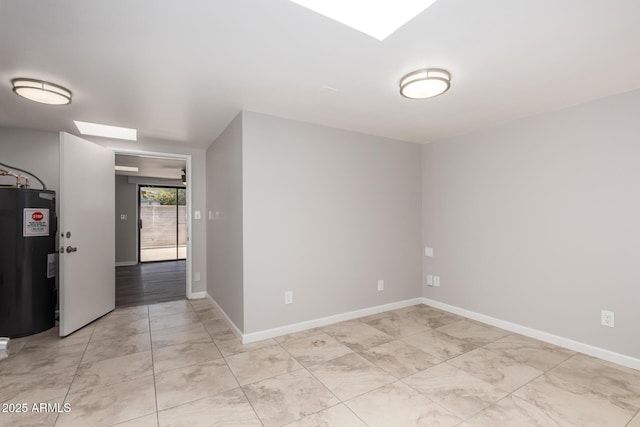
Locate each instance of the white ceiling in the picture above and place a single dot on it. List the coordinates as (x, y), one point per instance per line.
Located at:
(181, 70)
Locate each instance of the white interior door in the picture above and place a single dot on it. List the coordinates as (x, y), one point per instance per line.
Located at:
(86, 232)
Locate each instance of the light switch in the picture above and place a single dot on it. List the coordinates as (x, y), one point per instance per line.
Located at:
(123, 217)
(428, 251)
(196, 215)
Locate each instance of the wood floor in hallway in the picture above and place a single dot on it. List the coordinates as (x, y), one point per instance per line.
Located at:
(150, 283)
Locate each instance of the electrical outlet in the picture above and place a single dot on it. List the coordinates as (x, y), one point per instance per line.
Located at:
(288, 297)
(429, 279)
(196, 276)
(607, 318)
(381, 285)
(428, 251)
(436, 280)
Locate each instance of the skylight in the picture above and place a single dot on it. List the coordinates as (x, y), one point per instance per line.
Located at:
(377, 18)
(106, 131)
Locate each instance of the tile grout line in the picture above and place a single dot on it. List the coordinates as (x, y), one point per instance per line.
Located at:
(241, 388)
(75, 374)
(446, 361)
(393, 338)
(511, 393)
(340, 402)
(354, 413)
(233, 374)
(137, 378)
(308, 371)
(468, 373)
(153, 370)
(541, 375)
(489, 406)
(548, 371)
(136, 352)
(352, 352)
(440, 405)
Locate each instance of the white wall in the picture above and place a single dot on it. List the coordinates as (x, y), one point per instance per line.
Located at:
(327, 213)
(32, 150)
(127, 229)
(538, 222)
(224, 231)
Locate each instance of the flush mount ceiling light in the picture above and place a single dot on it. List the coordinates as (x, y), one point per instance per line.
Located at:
(425, 83)
(106, 131)
(41, 91)
(376, 18)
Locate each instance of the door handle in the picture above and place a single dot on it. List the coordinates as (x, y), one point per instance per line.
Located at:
(71, 249)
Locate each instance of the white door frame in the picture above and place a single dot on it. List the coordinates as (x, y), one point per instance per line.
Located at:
(187, 158)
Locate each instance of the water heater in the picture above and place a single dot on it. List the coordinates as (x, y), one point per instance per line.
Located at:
(28, 261)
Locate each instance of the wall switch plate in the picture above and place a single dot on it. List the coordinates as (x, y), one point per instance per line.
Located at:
(381, 285)
(436, 280)
(429, 279)
(288, 297)
(428, 251)
(196, 215)
(196, 276)
(607, 318)
(123, 217)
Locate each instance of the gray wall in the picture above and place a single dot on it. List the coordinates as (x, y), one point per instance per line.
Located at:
(126, 230)
(32, 150)
(326, 214)
(537, 222)
(224, 238)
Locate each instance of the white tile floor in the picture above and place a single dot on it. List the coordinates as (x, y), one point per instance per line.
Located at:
(178, 364)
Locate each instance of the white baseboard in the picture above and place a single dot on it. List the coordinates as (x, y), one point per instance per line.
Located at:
(324, 321)
(126, 263)
(227, 319)
(198, 295)
(611, 356)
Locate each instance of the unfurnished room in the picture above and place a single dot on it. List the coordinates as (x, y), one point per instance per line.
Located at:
(319, 213)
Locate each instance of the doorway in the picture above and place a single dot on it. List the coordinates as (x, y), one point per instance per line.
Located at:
(153, 262)
(162, 221)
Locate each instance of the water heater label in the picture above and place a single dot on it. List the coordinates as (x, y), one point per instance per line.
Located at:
(36, 222)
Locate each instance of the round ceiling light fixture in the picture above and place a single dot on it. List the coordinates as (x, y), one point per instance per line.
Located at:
(425, 83)
(41, 91)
